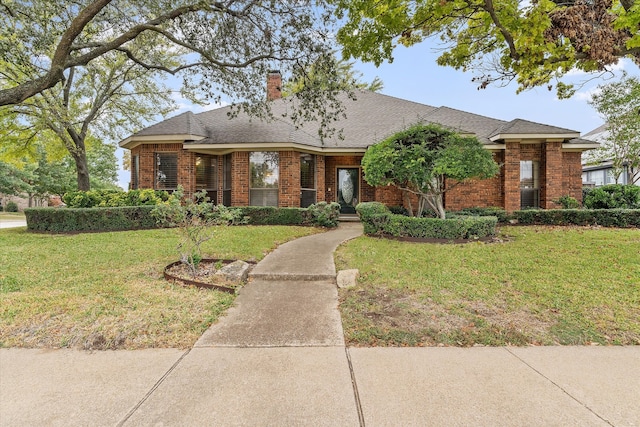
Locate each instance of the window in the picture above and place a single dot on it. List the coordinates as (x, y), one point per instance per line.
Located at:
(135, 172)
(264, 175)
(207, 176)
(166, 171)
(226, 180)
(529, 184)
(307, 180)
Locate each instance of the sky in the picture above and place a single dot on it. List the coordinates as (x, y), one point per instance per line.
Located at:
(415, 76)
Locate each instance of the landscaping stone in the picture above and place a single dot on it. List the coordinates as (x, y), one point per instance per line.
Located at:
(237, 271)
(347, 278)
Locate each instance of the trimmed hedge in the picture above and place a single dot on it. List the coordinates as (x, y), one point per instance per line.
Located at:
(623, 218)
(114, 198)
(321, 214)
(430, 228)
(64, 220)
(612, 196)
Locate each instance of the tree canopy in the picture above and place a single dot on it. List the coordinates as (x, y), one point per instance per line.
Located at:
(618, 103)
(226, 48)
(534, 43)
(427, 160)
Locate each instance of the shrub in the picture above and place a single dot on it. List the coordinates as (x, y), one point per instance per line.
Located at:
(270, 215)
(399, 210)
(114, 198)
(11, 206)
(464, 227)
(324, 214)
(604, 217)
(1, 208)
(366, 209)
(568, 202)
(501, 214)
(614, 196)
(91, 219)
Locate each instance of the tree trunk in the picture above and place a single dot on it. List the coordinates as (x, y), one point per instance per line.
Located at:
(82, 169)
(407, 202)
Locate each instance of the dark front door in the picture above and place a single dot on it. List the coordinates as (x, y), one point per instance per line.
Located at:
(348, 189)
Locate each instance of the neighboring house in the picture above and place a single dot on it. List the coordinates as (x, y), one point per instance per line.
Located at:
(244, 161)
(596, 174)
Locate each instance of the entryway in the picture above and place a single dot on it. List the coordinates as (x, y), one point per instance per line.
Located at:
(348, 185)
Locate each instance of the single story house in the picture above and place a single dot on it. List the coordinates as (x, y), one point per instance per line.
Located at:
(599, 173)
(245, 161)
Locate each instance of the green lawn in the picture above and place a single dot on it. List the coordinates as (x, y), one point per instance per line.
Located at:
(545, 285)
(12, 216)
(106, 290)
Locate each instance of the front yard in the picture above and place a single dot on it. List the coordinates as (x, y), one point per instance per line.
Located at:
(542, 286)
(105, 290)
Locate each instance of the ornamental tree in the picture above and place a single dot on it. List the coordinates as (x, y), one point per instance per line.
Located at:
(427, 160)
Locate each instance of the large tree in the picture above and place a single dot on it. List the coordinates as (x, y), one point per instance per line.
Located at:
(110, 97)
(533, 42)
(427, 160)
(618, 103)
(226, 47)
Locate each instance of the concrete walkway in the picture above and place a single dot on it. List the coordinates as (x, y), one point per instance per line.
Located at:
(10, 223)
(278, 358)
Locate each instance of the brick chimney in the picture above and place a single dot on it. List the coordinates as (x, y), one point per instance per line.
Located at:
(274, 85)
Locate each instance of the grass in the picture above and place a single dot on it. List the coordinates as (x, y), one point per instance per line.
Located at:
(544, 286)
(12, 216)
(105, 290)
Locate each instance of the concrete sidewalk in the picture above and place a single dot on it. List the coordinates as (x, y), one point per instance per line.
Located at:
(5, 223)
(278, 358)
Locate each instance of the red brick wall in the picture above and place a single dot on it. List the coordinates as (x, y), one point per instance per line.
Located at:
(186, 165)
(274, 85)
(477, 193)
(321, 184)
(240, 178)
(511, 177)
(551, 173)
(572, 175)
(289, 179)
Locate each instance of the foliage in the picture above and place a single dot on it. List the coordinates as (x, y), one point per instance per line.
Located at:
(13, 181)
(324, 214)
(194, 218)
(11, 206)
(622, 218)
(65, 220)
(568, 202)
(501, 214)
(113, 198)
(500, 40)
(618, 104)
(427, 160)
(105, 100)
(366, 210)
(466, 227)
(220, 50)
(329, 74)
(613, 196)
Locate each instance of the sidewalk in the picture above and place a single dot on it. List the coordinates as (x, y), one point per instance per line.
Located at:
(278, 358)
(5, 223)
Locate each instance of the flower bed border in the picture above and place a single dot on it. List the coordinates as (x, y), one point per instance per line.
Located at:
(171, 277)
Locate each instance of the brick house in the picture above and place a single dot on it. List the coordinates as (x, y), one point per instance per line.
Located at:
(244, 161)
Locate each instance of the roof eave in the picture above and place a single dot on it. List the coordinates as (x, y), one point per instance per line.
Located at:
(135, 140)
(537, 136)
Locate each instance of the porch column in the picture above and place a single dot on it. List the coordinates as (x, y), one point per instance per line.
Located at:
(240, 178)
(511, 176)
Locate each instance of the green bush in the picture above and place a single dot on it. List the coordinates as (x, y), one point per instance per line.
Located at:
(568, 202)
(399, 210)
(366, 209)
(1, 208)
(463, 227)
(622, 218)
(11, 206)
(501, 214)
(114, 198)
(270, 215)
(66, 220)
(614, 196)
(323, 214)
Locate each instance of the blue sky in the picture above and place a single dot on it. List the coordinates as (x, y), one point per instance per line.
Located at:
(414, 75)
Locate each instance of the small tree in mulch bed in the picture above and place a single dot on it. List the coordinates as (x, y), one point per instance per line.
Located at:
(194, 219)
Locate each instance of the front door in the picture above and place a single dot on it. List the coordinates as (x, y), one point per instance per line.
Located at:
(348, 189)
